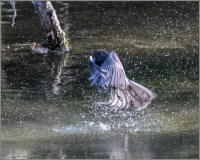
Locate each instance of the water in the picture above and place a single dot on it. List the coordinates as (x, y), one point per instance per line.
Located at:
(48, 108)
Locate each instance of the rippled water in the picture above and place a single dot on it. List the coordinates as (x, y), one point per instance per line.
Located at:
(48, 108)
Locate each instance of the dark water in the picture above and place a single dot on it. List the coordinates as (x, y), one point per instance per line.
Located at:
(48, 108)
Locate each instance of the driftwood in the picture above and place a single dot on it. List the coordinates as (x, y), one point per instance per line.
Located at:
(56, 38)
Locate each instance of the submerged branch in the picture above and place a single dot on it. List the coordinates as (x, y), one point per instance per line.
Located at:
(56, 37)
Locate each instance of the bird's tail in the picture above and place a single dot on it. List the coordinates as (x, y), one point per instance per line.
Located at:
(135, 93)
(140, 95)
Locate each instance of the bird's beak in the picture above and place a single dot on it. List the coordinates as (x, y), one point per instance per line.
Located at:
(91, 59)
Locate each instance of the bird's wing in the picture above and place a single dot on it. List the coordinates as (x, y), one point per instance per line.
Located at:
(114, 75)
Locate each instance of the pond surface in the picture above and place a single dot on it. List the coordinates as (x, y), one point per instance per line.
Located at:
(50, 111)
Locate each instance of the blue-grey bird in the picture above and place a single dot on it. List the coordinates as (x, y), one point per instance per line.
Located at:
(107, 72)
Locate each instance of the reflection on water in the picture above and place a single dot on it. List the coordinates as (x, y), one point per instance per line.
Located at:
(49, 110)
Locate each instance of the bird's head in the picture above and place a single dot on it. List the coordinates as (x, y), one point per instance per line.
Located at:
(99, 56)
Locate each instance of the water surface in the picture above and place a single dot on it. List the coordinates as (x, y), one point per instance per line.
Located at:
(50, 111)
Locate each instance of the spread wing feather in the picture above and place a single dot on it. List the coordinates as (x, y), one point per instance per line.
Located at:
(114, 75)
(123, 91)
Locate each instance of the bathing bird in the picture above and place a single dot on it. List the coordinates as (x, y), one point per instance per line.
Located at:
(107, 73)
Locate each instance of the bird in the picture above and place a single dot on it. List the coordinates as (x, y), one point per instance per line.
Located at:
(107, 73)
